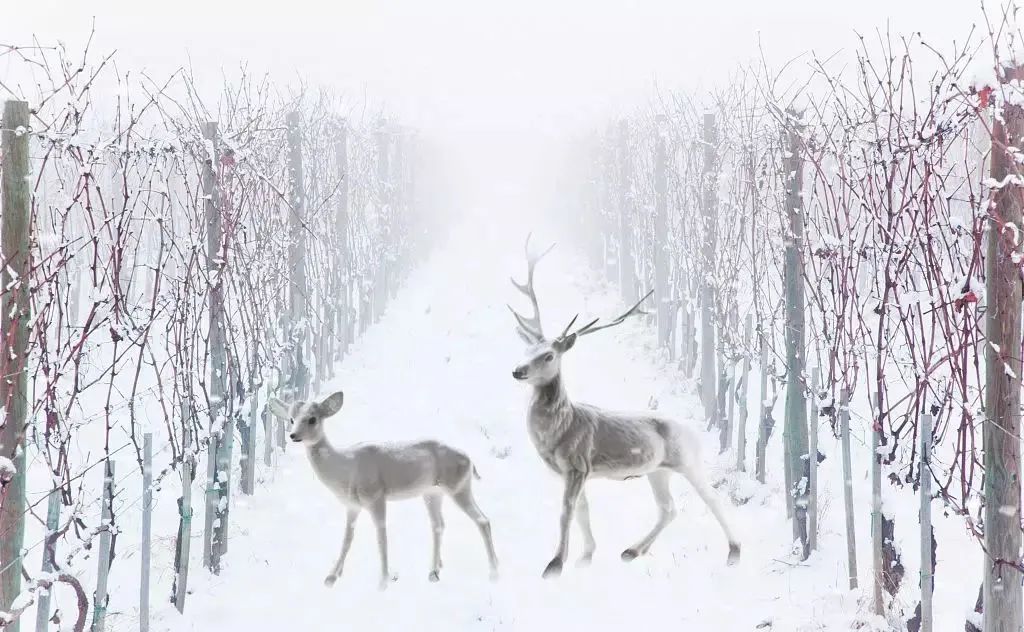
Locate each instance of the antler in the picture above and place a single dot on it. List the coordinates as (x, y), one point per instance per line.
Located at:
(530, 329)
(589, 328)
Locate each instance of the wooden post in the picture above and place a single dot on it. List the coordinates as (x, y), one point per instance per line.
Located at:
(248, 464)
(380, 282)
(851, 534)
(796, 408)
(766, 423)
(15, 270)
(877, 568)
(219, 450)
(724, 385)
(344, 273)
(926, 523)
(99, 613)
(268, 433)
(627, 267)
(741, 393)
(184, 544)
(52, 524)
(147, 530)
(812, 462)
(297, 308)
(709, 219)
(1001, 435)
(661, 290)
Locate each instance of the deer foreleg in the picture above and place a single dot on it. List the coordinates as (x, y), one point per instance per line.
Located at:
(573, 487)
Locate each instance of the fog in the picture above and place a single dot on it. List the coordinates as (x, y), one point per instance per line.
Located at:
(494, 88)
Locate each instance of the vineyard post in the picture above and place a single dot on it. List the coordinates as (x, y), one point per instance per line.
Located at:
(147, 530)
(1001, 434)
(741, 394)
(99, 612)
(297, 377)
(661, 291)
(52, 524)
(15, 258)
(927, 578)
(627, 270)
(851, 534)
(343, 293)
(707, 299)
(796, 406)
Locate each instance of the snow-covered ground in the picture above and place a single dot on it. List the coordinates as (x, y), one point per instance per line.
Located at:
(438, 365)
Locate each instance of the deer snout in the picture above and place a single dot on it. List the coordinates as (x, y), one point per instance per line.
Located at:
(294, 437)
(519, 373)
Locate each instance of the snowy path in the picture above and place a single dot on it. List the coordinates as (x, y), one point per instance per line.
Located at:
(438, 365)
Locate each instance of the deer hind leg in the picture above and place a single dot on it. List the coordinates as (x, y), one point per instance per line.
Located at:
(433, 503)
(659, 481)
(346, 544)
(465, 501)
(583, 518)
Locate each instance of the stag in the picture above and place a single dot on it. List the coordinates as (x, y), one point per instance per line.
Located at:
(579, 441)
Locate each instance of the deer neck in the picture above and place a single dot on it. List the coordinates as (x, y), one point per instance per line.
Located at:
(550, 400)
(331, 465)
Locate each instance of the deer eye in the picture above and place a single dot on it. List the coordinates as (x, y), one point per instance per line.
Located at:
(311, 421)
(549, 357)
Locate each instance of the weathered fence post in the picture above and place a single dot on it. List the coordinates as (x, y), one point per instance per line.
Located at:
(741, 394)
(15, 270)
(248, 464)
(52, 524)
(1001, 435)
(147, 530)
(661, 292)
(709, 218)
(844, 439)
(298, 378)
(812, 463)
(184, 544)
(344, 275)
(380, 281)
(765, 422)
(627, 270)
(926, 523)
(796, 406)
(877, 568)
(221, 431)
(99, 613)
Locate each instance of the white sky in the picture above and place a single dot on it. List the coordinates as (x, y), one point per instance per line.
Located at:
(479, 63)
(496, 80)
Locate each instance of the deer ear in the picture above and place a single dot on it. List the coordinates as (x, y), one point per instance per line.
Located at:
(279, 408)
(332, 404)
(566, 343)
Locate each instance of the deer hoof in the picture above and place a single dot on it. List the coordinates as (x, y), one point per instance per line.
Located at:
(329, 580)
(553, 569)
(629, 555)
(434, 576)
(734, 555)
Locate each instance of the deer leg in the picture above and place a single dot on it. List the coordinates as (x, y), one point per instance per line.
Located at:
(583, 518)
(573, 486)
(659, 481)
(465, 501)
(437, 527)
(379, 513)
(350, 530)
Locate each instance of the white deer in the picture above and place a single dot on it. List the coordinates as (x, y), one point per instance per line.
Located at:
(579, 441)
(367, 476)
